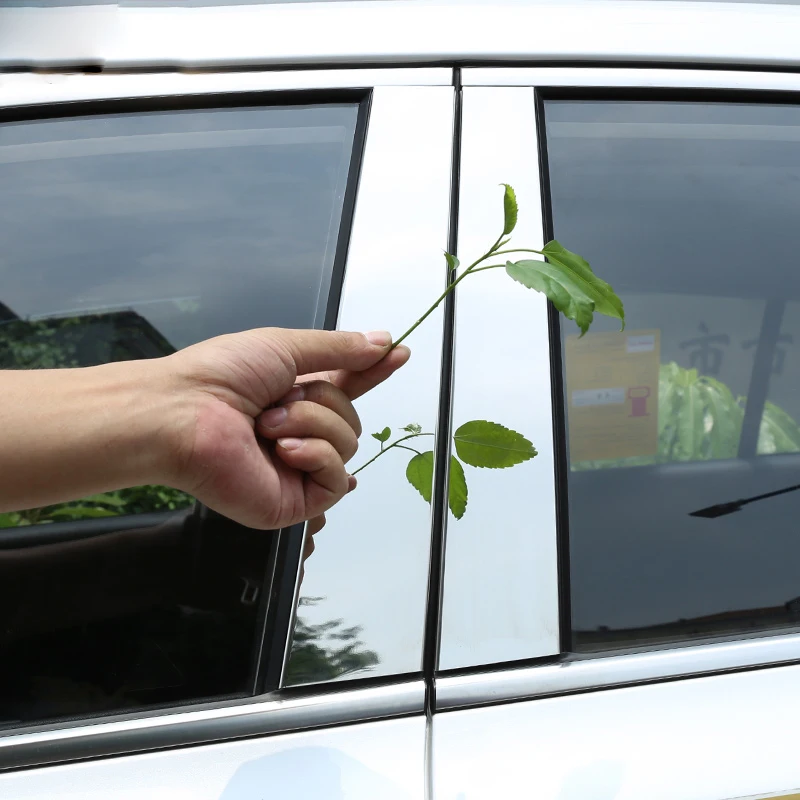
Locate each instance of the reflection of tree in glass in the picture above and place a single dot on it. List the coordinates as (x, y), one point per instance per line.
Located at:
(700, 419)
(80, 341)
(325, 651)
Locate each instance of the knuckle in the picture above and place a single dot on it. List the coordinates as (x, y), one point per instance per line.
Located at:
(351, 446)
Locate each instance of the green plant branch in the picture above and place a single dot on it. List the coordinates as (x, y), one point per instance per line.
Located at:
(491, 266)
(469, 270)
(410, 449)
(567, 280)
(517, 250)
(389, 447)
(432, 308)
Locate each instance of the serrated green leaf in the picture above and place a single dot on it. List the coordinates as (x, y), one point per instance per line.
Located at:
(452, 262)
(569, 283)
(383, 435)
(412, 427)
(487, 444)
(419, 473)
(457, 492)
(605, 299)
(509, 210)
(576, 294)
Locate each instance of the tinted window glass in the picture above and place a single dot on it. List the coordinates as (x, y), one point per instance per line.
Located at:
(130, 236)
(690, 211)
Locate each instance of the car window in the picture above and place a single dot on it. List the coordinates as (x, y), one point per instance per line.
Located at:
(132, 235)
(689, 211)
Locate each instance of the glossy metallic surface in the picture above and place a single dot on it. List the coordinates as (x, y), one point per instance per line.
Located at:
(381, 759)
(220, 722)
(23, 88)
(646, 78)
(581, 675)
(501, 582)
(722, 737)
(405, 31)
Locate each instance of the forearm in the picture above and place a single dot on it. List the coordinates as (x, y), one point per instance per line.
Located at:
(68, 433)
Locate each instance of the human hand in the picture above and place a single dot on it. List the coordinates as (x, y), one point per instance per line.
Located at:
(221, 456)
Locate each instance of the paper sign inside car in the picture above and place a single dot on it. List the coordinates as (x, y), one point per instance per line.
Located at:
(612, 394)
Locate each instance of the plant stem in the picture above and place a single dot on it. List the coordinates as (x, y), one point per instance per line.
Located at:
(518, 250)
(410, 449)
(451, 286)
(433, 307)
(387, 449)
(492, 266)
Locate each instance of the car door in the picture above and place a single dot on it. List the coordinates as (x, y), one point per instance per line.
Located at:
(619, 613)
(150, 647)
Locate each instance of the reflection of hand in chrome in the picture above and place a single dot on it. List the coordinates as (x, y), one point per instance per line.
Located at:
(314, 526)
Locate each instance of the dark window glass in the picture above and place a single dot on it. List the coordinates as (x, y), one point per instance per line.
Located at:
(690, 211)
(129, 236)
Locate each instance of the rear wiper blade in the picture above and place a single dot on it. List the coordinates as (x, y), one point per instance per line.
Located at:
(721, 509)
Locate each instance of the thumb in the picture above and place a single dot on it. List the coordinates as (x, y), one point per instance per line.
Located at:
(315, 351)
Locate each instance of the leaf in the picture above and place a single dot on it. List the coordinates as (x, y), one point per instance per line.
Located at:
(412, 427)
(79, 512)
(509, 210)
(487, 444)
(105, 499)
(420, 474)
(452, 262)
(778, 433)
(605, 300)
(725, 416)
(383, 435)
(457, 491)
(573, 294)
(569, 283)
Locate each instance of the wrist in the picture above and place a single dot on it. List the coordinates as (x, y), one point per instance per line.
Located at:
(69, 433)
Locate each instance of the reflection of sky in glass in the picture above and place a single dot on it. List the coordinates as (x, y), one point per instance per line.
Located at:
(204, 222)
(690, 212)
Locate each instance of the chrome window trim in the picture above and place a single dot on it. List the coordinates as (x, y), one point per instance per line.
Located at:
(418, 31)
(588, 673)
(23, 89)
(209, 724)
(499, 329)
(619, 78)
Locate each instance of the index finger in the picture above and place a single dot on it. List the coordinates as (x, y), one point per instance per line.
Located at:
(354, 384)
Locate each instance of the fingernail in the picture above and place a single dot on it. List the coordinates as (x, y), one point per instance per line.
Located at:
(273, 417)
(290, 444)
(382, 338)
(294, 394)
(352, 482)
